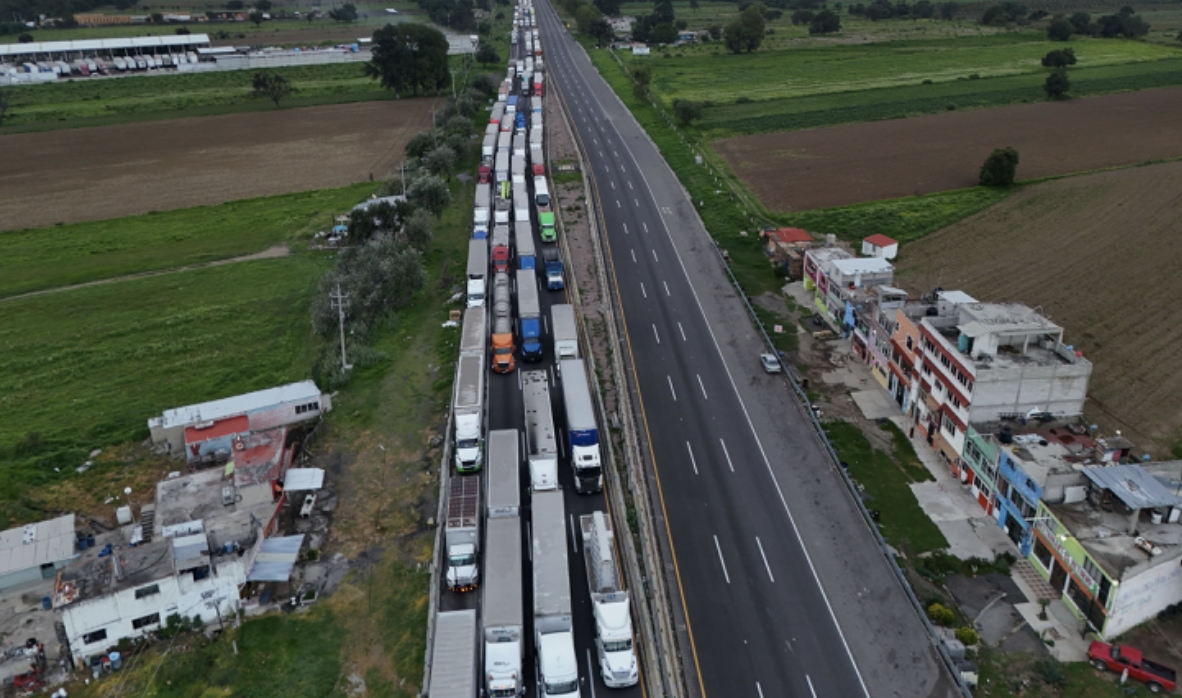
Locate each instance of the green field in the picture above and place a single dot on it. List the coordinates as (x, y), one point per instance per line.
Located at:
(43, 258)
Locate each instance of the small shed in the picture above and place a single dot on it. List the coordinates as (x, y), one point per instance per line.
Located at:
(782, 241)
(880, 246)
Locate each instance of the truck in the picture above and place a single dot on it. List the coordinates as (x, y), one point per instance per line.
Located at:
(535, 121)
(504, 491)
(525, 84)
(502, 331)
(538, 82)
(581, 429)
(462, 532)
(453, 658)
(502, 607)
(523, 238)
(609, 603)
(541, 447)
(477, 272)
(520, 203)
(500, 249)
(519, 124)
(541, 192)
(517, 167)
(557, 664)
(507, 123)
(501, 210)
(519, 144)
(1158, 678)
(504, 142)
(502, 168)
(503, 92)
(552, 260)
(546, 222)
(511, 105)
(473, 331)
(468, 410)
(494, 117)
(535, 144)
(480, 212)
(529, 315)
(484, 172)
(566, 334)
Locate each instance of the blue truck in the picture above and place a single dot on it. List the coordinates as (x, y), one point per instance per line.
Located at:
(529, 313)
(553, 261)
(580, 427)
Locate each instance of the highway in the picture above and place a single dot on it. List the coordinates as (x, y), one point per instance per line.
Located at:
(782, 588)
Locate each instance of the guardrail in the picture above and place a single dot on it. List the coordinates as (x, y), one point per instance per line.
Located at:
(437, 555)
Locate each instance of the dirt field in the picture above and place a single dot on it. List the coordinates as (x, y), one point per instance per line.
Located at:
(1099, 254)
(87, 174)
(803, 170)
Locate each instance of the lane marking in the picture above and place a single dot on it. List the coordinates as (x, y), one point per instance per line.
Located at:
(759, 689)
(530, 537)
(765, 565)
(727, 454)
(678, 327)
(655, 257)
(703, 387)
(691, 452)
(667, 288)
(636, 202)
(658, 336)
(630, 185)
(642, 289)
(645, 226)
(612, 183)
(618, 204)
(591, 674)
(634, 256)
(811, 689)
(670, 379)
(518, 379)
(719, 549)
(625, 228)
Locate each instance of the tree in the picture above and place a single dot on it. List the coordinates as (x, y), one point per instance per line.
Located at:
(1000, 15)
(235, 5)
(484, 83)
(947, 10)
(345, 13)
(923, 9)
(182, 31)
(157, 18)
(745, 34)
(262, 5)
(1059, 58)
(4, 102)
(380, 276)
(585, 16)
(1179, 37)
(608, 7)
(681, 24)
(486, 54)
(25, 38)
(826, 22)
(687, 111)
(273, 87)
(663, 12)
(417, 229)
(440, 160)
(642, 75)
(801, 17)
(1037, 15)
(1057, 85)
(1000, 168)
(1059, 29)
(693, 5)
(409, 57)
(256, 17)
(1081, 22)
(663, 33)
(419, 144)
(716, 32)
(430, 193)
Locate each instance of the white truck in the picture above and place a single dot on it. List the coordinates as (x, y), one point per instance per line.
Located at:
(554, 640)
(477, 272)
(468, 409)
(480, 212)
(462, 532)
(609, 603)
(488, 146)
(453, 658)
(502, 614)
(535, 144)
(541, 192)
(520, 204)
(504, 460)
(541, 446)
(566, 334)
(504, 142)
(474, 332)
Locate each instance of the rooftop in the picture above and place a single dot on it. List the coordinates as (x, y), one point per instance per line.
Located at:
(238, 404)
(19, 50)
(861, 265)
(789, 235)
(37, 544)
(978, 319)
(881, 241)
(225, 511)
(823, 255)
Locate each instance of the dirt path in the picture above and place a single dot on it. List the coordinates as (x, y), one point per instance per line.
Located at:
(269, 253)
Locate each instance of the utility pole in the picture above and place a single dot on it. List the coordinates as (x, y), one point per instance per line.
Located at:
(339, 301)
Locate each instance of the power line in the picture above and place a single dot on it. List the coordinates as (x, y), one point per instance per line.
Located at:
(340, 301)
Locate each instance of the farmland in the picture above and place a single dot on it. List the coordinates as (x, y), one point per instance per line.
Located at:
(1049, 246)
(129, 169)
(802, 170)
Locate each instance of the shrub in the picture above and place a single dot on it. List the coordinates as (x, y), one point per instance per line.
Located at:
(941, 615)
(1000, 168)
(1051, 671)
(967, 635)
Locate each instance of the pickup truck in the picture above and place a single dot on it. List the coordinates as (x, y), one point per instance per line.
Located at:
(1119, 658)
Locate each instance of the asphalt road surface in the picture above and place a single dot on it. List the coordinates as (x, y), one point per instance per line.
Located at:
(783, 590)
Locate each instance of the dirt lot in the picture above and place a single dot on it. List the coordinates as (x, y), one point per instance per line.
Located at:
(87, 174)
(1099, 254)
(803, 170)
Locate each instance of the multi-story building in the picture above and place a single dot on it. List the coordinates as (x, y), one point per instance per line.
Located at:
(992, 361)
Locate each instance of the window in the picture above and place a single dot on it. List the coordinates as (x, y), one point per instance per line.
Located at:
(910, 344)
(1043, 554)
(310, 407)
(1092, 569)
(949, 426)
(153, 619)
(1078, 596)
(144, 592)
(956, 401)
(98, 636)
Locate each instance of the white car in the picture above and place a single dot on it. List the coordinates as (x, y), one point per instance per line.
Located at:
(770, 363)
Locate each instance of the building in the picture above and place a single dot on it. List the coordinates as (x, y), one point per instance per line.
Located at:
(786, 247)
(880, 246)
(621, 25)
(36, 551)
(1110, 542)
(904, 336)
(216, 429)
(987, 362)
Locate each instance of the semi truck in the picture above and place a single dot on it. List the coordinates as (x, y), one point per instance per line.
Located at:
(609, 603)
(504, 459)
(500, 249)
(546, 223)
(520, 203)
(477, 272)
(498, 111)
(557, 665)
(480, 211)
(503, 612)
(581, 430)
(488, 146)
(523, 238)
(540, 445)
(473, 332)
(502, 331)
(537, 82)
(453, 658)
(566, 335)
(501, 211)
(462, 532)
(535, 144)
(504, 142)
(511, 104)
(468, 408)
(529, 316)
(552, 259)
(501, 171)
(541, 192)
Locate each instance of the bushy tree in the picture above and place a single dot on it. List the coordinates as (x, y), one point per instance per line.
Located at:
(344, 13)
(642, 75)
(1000, 15)
(1081, 22)
(1000, 168)
(484, 83)
(379, 276)
(262, 5)
(1059, 58)
(923, 9)
(417, 229)
(715, 32)
(235, 5)
(430, 193)
(273, 87)
(419, 144)
(256, 17)
(4, 102)
(826, 22)
(486, 54)
(1057, 85)
(602, 32)
(1059, 29)
(745, 34)
(585, 16)
(663, 33)
(801, 17)
(687, 111)
(409, 57)
(947, 10)
(608, 7)
(440, 160)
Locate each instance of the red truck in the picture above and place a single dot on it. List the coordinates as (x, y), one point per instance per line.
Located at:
(1119, 658)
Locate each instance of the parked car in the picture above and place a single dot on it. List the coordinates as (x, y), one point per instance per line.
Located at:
(770, 363)
(1120, 658)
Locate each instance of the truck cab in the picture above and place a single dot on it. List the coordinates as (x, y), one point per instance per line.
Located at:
(462, 572)
(617, 660)
(469, 454)
(549, 233)
(558, 669)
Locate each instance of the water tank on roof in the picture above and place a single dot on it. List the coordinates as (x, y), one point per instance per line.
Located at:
(933, 311)
(1006, 436)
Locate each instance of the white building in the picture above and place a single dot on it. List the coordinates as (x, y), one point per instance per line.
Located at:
(880, 246)
(36, 551)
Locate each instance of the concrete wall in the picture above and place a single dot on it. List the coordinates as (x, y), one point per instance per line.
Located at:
(1059, 389)
(1144, 595)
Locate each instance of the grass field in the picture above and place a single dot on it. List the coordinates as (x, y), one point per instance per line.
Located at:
(43, 258)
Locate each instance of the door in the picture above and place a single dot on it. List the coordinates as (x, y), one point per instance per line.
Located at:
(1058, 578)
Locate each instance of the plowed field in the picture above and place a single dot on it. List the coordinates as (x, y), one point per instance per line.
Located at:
(1098, 254)
(87, 174)
(818, 168)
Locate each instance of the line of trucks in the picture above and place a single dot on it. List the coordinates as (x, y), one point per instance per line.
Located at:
(482, 653)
